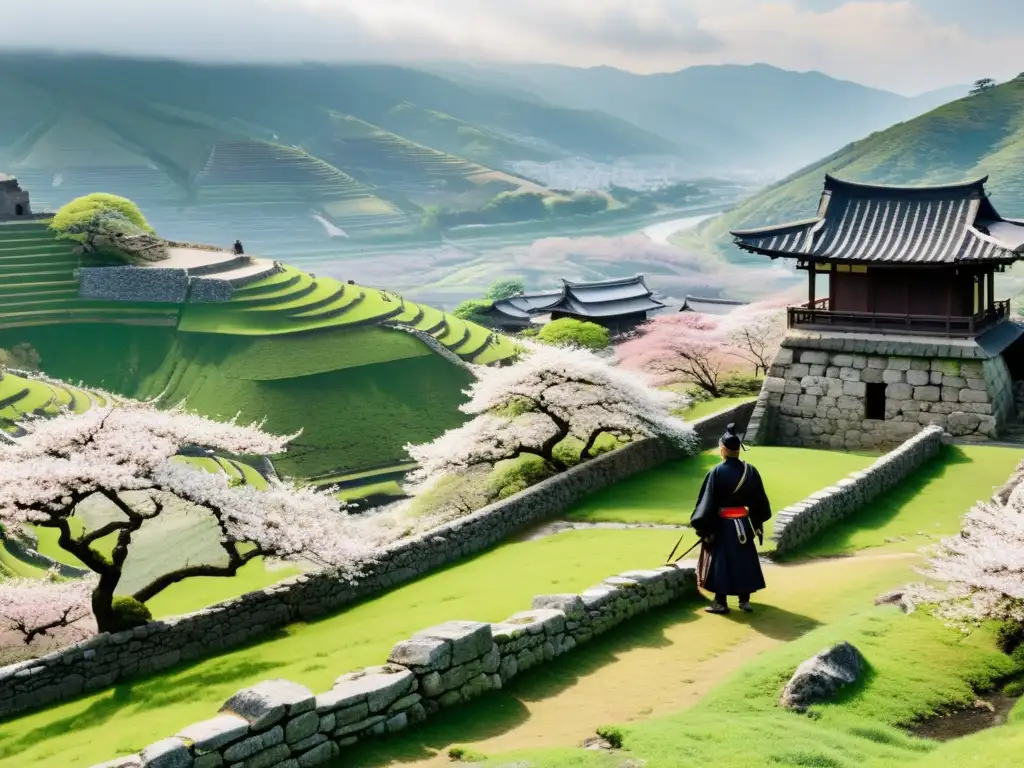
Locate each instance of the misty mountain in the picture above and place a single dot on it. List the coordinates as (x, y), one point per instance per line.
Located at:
(755, 117)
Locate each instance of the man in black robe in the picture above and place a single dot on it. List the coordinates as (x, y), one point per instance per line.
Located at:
(731, 509)
(239, 250)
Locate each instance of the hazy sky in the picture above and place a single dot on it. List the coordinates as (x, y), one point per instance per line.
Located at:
(903, 45)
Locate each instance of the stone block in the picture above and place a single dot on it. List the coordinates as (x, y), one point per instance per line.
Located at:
(774, 384)
(428, 653)
(571, 605)
(873, 375)
(793, 387)
(469, 639)
(268, 702)
(849, 374)
(893, 377)
(808, 401)
(817, 370)
(860, 362)
(954, 382)
(842, 361)
(972, 369)
(950, 395)
(951, 367)
(935, 378)
(898, 392)
(783, 357)
(879, 363)
(302, 727)
(927, 394)
(932, 419)
(214, 733)
(211, 760)
(918, 378)
(319, 754)
(168, 753)
(854, 388)
(813, 357)
(797, 371)
(973, 396)
(269, 758)
(899, 364)
(379, 687)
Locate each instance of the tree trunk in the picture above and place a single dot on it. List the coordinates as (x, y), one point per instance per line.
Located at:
(103, 602)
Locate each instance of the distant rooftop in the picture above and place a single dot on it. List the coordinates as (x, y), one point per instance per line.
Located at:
(710, 306)
(948, 224)
(599, 298)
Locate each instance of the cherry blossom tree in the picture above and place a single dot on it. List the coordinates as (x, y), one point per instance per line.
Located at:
(702, 349)
(38, 607)
(980, 571)
(550, 396)
(128, 446)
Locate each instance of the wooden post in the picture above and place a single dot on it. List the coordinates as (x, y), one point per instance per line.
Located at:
(949, 300)
(810, 285)
(991, 289)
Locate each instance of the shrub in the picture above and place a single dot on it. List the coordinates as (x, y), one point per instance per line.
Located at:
(1010, 635)
(568, 332)
(129, 613)
(471, 310)
(464, 755)
(739, 385)
(504, 288)
(519, 476)
(612, 734)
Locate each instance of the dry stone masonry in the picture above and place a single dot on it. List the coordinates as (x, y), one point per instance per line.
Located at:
(820, 391)
(798, 523)
(281, 724)
(106, 659)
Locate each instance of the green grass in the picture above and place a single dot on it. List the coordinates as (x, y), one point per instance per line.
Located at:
(915, 666)
(83, 732)
(925, 507)
(710, 407)
(667, 494)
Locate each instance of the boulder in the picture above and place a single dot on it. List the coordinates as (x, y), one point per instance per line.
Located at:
(896, 597)
(821, 676)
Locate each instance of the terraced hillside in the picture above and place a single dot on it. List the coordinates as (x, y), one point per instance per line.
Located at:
(337, 361)
(38, 284)
(268, 154)
(967, 139)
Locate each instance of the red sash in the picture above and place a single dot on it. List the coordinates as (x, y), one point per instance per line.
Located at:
(733, 513)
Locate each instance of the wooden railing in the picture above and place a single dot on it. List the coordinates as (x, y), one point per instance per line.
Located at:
(819, 315)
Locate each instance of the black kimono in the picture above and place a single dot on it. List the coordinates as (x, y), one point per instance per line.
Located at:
(734, 566)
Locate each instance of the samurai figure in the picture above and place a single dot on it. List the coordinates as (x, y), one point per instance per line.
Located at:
(239, 250)
(731, 509)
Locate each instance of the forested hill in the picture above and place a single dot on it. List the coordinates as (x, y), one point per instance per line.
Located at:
(976, 136)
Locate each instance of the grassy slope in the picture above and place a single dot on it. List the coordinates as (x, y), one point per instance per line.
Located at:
(80, 732)
(915, 665)
(966, 139)
(667, 493)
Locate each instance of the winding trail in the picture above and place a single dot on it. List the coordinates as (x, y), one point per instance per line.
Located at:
(666, 662)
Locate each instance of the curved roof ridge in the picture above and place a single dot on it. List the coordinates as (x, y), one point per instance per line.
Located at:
(775, 227)
(609, 281)
(834, 181)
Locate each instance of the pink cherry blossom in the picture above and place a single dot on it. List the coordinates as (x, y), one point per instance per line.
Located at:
(980, 571)
(550, 395)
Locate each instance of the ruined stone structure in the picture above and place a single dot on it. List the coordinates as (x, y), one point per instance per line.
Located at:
(14, 201)
(909, 334)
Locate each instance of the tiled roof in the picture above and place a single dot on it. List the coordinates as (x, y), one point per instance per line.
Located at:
(710, 306)
(915, 225)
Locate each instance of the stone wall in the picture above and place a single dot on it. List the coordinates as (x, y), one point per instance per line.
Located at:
(820, 396)
(23, 551)
(106, 659)
(762, 423)
(11, 196)
(798, 523)
(281, 724)
(133, 284)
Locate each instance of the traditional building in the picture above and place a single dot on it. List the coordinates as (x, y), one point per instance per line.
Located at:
(518, 312)
(620, 305)
(14, 201)
(709, 306)
(906, 330)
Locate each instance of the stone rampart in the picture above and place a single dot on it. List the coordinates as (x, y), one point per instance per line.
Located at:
(155, 284)
(797, 524)
(281, 724)
(106, 659)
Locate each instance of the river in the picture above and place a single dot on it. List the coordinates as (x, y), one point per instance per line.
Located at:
(662, 231)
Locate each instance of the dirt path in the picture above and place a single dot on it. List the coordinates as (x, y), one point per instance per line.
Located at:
(683, 656)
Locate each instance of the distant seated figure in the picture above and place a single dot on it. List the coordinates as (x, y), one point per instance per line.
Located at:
(239, 250)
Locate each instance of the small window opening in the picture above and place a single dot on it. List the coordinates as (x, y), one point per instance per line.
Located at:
(874, 402)
(19, 210)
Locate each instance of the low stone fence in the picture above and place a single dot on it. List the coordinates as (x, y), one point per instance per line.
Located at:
(28, 554)
(107, 659)
(281, 724)
(800, 522)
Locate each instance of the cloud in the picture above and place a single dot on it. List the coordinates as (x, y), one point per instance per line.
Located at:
(904, 44)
